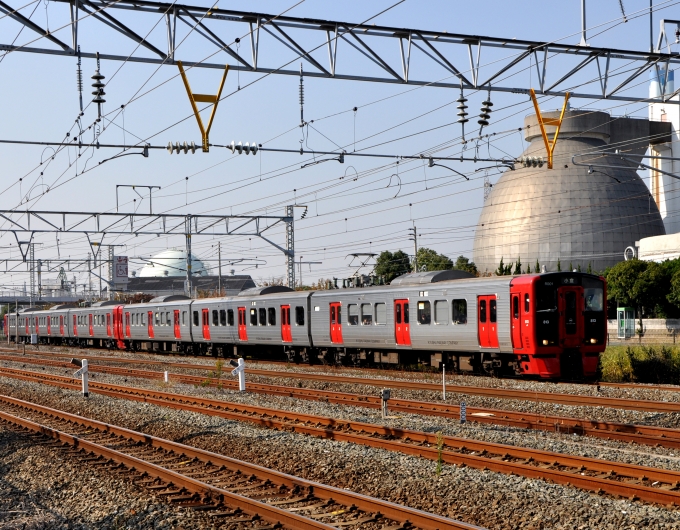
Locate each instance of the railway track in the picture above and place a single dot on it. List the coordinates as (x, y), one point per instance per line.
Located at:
(640, 434)
(491, 392)
(233, 490)
(599, 476)
(110, 358)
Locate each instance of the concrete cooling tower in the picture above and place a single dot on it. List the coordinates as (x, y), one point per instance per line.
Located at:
(574, 214)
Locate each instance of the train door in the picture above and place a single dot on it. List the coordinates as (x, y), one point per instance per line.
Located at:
(286, 333)
(516, 320)
(206, 324)
(571, 315)
(178, 331)
(61, 325)
(118, 326)
(108, 324)
(336, 322)
(37, 325)
(49, 325)
(402, 328)
(89, 321)
(75, 326)
(150, 324)
(242, 329)
(487, 321)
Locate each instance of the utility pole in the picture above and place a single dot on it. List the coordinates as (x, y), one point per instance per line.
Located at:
(310, 263)
(414, 238)
(219, 265)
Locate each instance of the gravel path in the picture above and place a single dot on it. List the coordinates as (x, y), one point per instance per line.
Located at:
(43, 488)
(481, 497)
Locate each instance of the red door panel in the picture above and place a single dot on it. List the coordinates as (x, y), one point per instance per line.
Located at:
(336, 322)
(286, 333)
(37, 325)
(49, 325)
(108, 324)
(487, 316)
(516, 320)
(75, 326)
(178, 331)
(150, 324)
(242, 329)
(571, 305)
(61, 325)
(402, 328)
(206, 324)
(90, 324)
(493, 324)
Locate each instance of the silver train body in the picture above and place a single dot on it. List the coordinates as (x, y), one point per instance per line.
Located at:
(422, 318)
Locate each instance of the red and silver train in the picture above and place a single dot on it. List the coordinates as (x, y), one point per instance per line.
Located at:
(549, 325)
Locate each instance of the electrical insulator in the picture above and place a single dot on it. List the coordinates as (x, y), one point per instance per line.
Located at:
(241, 149)
(677, 34)
(462, 115)
(183, 147)
(486, 113)
(98, 91)
(531, 161)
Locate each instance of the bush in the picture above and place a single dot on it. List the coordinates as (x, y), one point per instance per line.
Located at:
(641, 364)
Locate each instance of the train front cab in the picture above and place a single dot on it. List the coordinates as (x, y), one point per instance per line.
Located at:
(558, 324)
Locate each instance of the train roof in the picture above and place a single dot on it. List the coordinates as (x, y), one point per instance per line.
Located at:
(269, 289)
(420, 278)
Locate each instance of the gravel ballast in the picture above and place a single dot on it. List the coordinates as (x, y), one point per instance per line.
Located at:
(481, 497)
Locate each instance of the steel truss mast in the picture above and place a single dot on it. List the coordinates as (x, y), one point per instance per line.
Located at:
(387, 53)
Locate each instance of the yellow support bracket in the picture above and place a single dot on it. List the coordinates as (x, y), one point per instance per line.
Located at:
(203, 98)
(542, 122)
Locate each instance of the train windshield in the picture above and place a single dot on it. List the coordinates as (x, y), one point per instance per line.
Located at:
(546, 297)
(593, 293)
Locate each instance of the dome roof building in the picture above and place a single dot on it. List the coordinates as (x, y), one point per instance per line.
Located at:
(574, 214)
(172, 262)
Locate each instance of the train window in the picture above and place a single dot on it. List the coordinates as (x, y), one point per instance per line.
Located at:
(424, 313)
(406, 313)
(593, 295)
(263, 316)
(230, 317)
(300, 316)
(195, 318)
(515, 306)
(482, 311)
(366, 315)
(546, 297)
(526, 302)
(253, 317)
(380, 313)
(144, 319)
(223, 317)
(492, 310)
(168, 318)
(157, 319)
(352, 314)
(215, 318)
(441, 312)
(271, 314)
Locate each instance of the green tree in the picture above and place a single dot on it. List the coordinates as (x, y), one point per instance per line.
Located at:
(674, 293)
(518, 266)
(621, 280)
(390, 265)
(430, 260)
(537, 268)
(590, 268)
(464, 264)
(501, 269)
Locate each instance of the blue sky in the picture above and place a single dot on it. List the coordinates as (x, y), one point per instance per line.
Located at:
(39, 101)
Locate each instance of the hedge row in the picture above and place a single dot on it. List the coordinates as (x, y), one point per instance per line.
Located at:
(641, 364)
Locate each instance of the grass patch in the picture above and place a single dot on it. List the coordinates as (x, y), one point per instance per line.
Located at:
(641, 364)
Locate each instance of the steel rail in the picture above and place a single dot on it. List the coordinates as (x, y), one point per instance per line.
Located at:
(559, 398)
(397, 512)
(600, 476)
(640, 434)
(250, 506)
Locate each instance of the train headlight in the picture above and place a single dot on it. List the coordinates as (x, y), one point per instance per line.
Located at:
(593, 341)
(545, 342)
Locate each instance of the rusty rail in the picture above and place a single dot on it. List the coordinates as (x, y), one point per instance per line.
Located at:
(286, 484)
(600, 476)
(640, 434)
